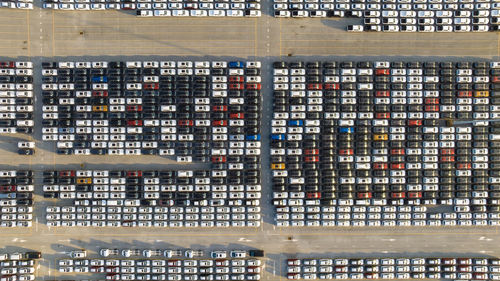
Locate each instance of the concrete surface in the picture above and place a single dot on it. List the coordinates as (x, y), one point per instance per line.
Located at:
(58, 35)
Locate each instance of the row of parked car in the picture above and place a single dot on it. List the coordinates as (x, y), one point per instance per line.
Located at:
(198, 111)
(168, 265)
(400, 16)
(176, 8)
(16, 198)
(215, 198)
(16, 96)
(17, 4)
(400, 133)
(462, 268)
(18, 266)
(430, 21)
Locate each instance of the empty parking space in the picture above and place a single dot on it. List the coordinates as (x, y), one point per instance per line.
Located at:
(14, 31)
(119, 33)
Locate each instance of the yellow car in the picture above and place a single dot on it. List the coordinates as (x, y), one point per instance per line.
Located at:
(481, 94)
(99, 108)
(279, 166)
(380, 137)
(84, 181)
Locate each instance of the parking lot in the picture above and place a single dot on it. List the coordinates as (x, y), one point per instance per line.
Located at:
(340, 146)
(55, 36)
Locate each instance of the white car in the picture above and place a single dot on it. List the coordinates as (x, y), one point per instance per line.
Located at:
(22, 5)
(355, 28)
(79, 6)
(78, 254)
(216, 13)
(218, 254)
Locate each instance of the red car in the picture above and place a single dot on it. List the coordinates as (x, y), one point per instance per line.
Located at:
(431, 108)
(219, 123)
(382, 94)
(9, 64)
(346, 151)
(315, 86)
(364, 195)
(219, 108)
(432, 101)
(414, 194)
(382, 115)
(185, 123)
(151, 86)
(239, 86)
(254, 86)
(134, 123)
(134, 107)
(398, 195)
(447, 159)
(465, 94)
(99, 93)
(66, 174)
(447, 151)
(398, 166)
(311, 158)
(313, 195)
(218, 159)
(479, 276)
(495, 79)
(236, 115)
(236, 79)
(463, 166)
(382, 72)
(414, 122)
(8, 188)
(311, 151)
(380, 166)
(112, 276)
(332, 86)
(134, 174)
(397, 151)
(465, 268)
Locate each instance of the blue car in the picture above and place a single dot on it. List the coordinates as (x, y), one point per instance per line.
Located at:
(236, 64)
(346, 130)
(295, 123)
(98, 79)
(278, 136)
(66, 130)
(253, 138)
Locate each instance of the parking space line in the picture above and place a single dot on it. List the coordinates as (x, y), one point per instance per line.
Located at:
(385, 233)
(375, 39)
(498, 44)
(147, 25)
(161, 32)
(12, 18)
(53, 34)
(281, 35)
(160, 47)
(29, 45)
(255, 37)
(11, 24)
(166, 41)
(257, 233)
(377, 47)
(9, 32)
(10, 47)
